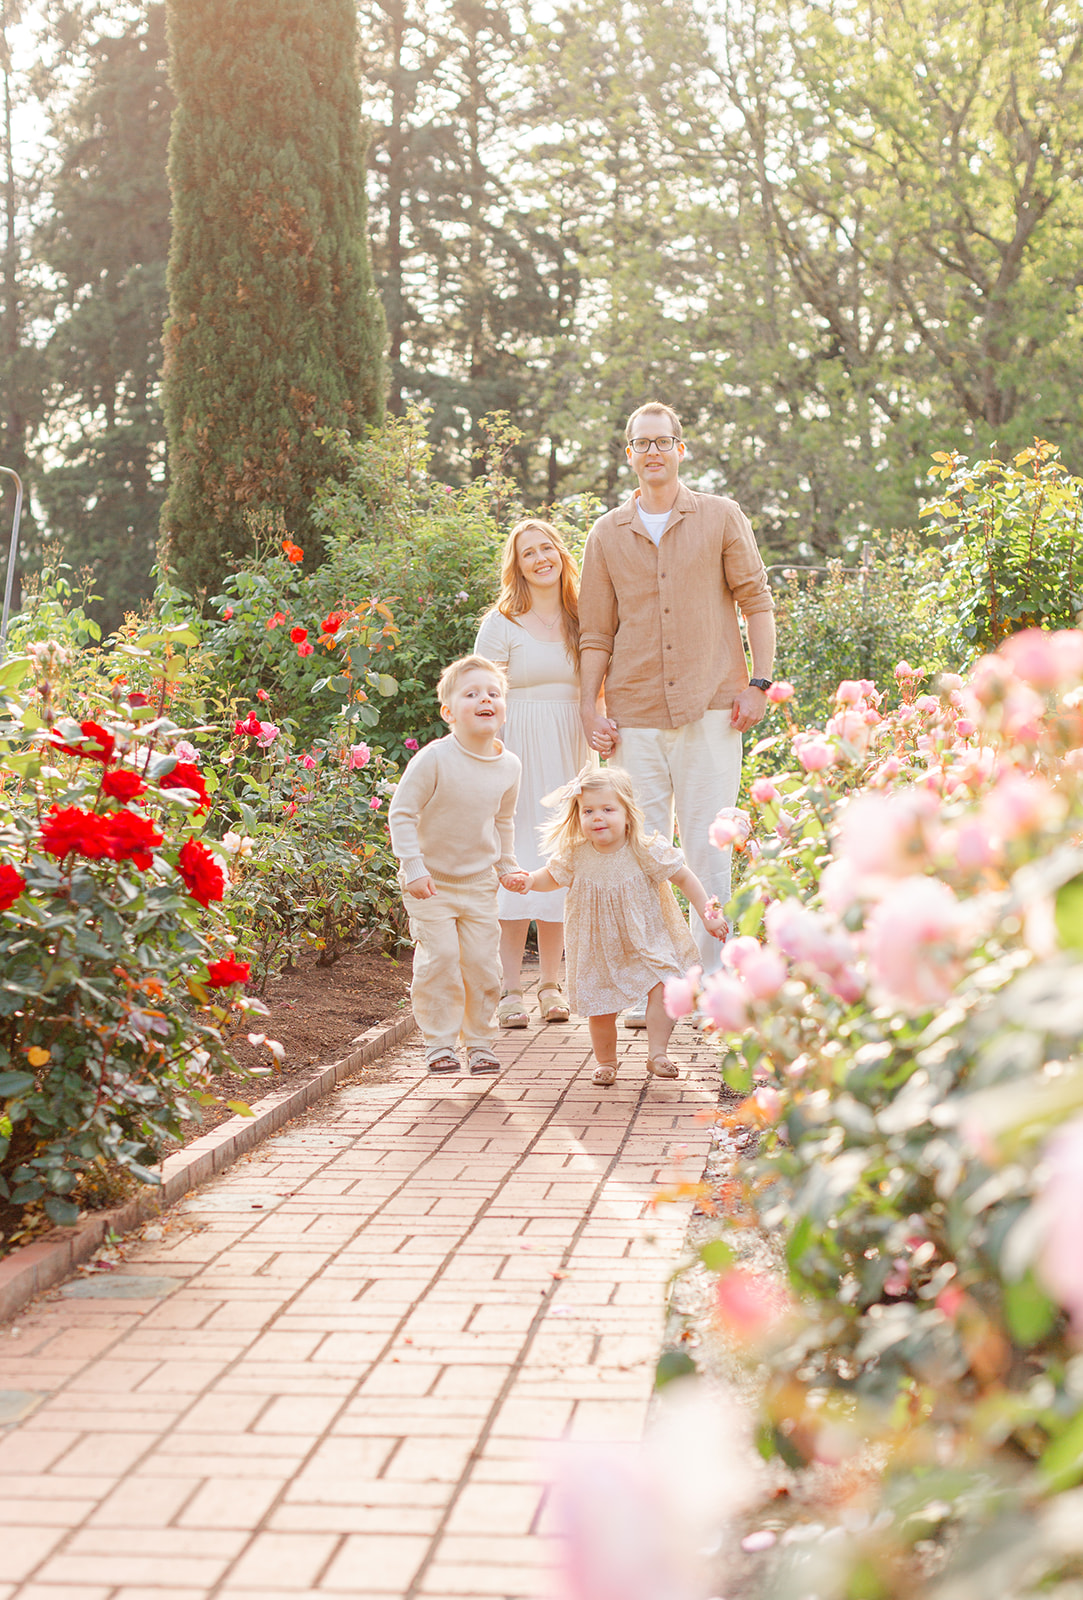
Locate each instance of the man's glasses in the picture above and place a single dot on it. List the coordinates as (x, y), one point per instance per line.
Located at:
(641, 446)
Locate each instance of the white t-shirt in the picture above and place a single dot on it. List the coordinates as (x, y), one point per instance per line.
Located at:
(653, 521)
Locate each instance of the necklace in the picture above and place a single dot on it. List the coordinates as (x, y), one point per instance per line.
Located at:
(550, 625)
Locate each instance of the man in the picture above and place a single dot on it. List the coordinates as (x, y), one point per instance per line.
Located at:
(663, 576)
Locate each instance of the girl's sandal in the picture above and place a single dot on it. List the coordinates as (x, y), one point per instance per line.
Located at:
(511, 1013)
(443, 1060)
(479, 1058)
(604, 1074)
(662, 1067)
(555, 1009)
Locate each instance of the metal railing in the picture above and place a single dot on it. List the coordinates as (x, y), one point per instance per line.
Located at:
(9, 582)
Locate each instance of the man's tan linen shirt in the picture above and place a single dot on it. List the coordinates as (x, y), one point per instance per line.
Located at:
(666, 614)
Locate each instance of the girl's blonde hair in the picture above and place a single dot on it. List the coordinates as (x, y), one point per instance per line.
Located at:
(565, 831)
(514, 597)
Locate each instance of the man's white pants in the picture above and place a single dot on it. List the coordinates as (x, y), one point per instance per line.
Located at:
(692, 772)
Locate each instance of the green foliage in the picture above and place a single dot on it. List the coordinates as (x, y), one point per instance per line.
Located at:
(104, 242)
(109, 1028)
(908, 1041)
(857, 624)
(274, 330)
(1013, 558)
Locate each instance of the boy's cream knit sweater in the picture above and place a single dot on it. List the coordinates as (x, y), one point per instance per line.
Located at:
(451, 815)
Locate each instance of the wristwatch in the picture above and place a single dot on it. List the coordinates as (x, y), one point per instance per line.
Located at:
(760, 683)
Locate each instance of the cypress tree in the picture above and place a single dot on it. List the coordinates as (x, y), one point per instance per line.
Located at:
(274, 327)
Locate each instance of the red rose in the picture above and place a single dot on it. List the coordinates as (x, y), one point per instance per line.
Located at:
(186, 775)
(227, 613)
(122, 784)
(298, 635)
(137, 699)
(70, 828)
(305, 649)
(131, 837)
(333, 622)
(95, 745)
(293, 551)
(249, 727)
(201, 872)
(220, 974)
(12, 884)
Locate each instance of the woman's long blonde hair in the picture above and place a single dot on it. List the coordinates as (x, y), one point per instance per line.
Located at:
(565, 830)
(514, 597)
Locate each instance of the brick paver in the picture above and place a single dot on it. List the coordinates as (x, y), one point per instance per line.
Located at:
(344, 1366)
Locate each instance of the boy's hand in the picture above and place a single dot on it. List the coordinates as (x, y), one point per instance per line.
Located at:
(421, 888)
(518, 882)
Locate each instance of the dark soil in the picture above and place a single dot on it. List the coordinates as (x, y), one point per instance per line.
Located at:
(316, 1013)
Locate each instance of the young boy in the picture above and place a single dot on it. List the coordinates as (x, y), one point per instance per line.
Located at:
(451, 829)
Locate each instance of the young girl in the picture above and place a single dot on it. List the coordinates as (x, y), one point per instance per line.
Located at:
(623, 930)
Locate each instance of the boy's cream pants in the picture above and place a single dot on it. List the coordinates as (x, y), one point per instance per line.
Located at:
(456, 983)
(693, 771)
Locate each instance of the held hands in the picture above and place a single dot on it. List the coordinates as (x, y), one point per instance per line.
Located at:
(713, 920)
(602, 733)
(518, 882)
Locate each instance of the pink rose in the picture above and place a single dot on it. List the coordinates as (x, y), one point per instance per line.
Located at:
(679, 996)
(268, 733)
(904, 672)
(815, 754)
(779, 693)
(359, 756)
(184, 751)
(887, 833)
(411, 744)
(848, 693)
(913, 938)
(722, 1001)
(964, 727)
(1060, 1206)
(307, 761)
(763, 792)
(748, 1303)
(764, 973)
(1045, 660)
(852, 729)
(768, 1103)
(1019, 805)
(374, 803)
(730, 827)
(305, 649)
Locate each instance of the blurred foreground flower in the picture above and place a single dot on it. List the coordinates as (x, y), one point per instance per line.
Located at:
(636, 1518)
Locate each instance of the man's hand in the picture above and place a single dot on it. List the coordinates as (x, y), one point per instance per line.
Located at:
(517, 882)
(749, 707)
(602, 733)
(421, 888)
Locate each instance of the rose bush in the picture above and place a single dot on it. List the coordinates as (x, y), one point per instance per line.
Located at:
(903, 1011)
(113, 935)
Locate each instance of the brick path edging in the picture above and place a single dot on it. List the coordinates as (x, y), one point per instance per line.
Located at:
(35, 1267)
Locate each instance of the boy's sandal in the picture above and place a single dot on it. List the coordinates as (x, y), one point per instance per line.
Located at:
(555, 1008)
(604, 1074)
(481, 1059)
(511, 1012)
(663, 1067)
(443, 1060)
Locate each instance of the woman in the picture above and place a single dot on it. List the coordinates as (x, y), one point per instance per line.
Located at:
(533, 633)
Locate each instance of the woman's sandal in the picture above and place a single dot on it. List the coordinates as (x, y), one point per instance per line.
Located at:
(480, 1058)
(511, 1012)
(604, 1074)
(443, 1060)
(555, 1009)
(662, 1067)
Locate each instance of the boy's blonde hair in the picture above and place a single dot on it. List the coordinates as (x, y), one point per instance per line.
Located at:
(514, 597)
(565, 831)
(455, 671)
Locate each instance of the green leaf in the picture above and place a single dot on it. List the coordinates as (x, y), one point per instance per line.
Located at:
(1068, 914)
(386, 684)
(673, 1364)
(13, 672)
(1062, 1464)
(63, 1212)
(340, 685)
(1030, 1313)
(716, 1255)
(12, 1083)
(240, 1108)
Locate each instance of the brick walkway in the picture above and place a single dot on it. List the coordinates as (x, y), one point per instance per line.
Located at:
(340, 1368)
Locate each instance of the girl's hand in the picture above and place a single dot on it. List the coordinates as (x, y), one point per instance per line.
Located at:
(713, 920)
